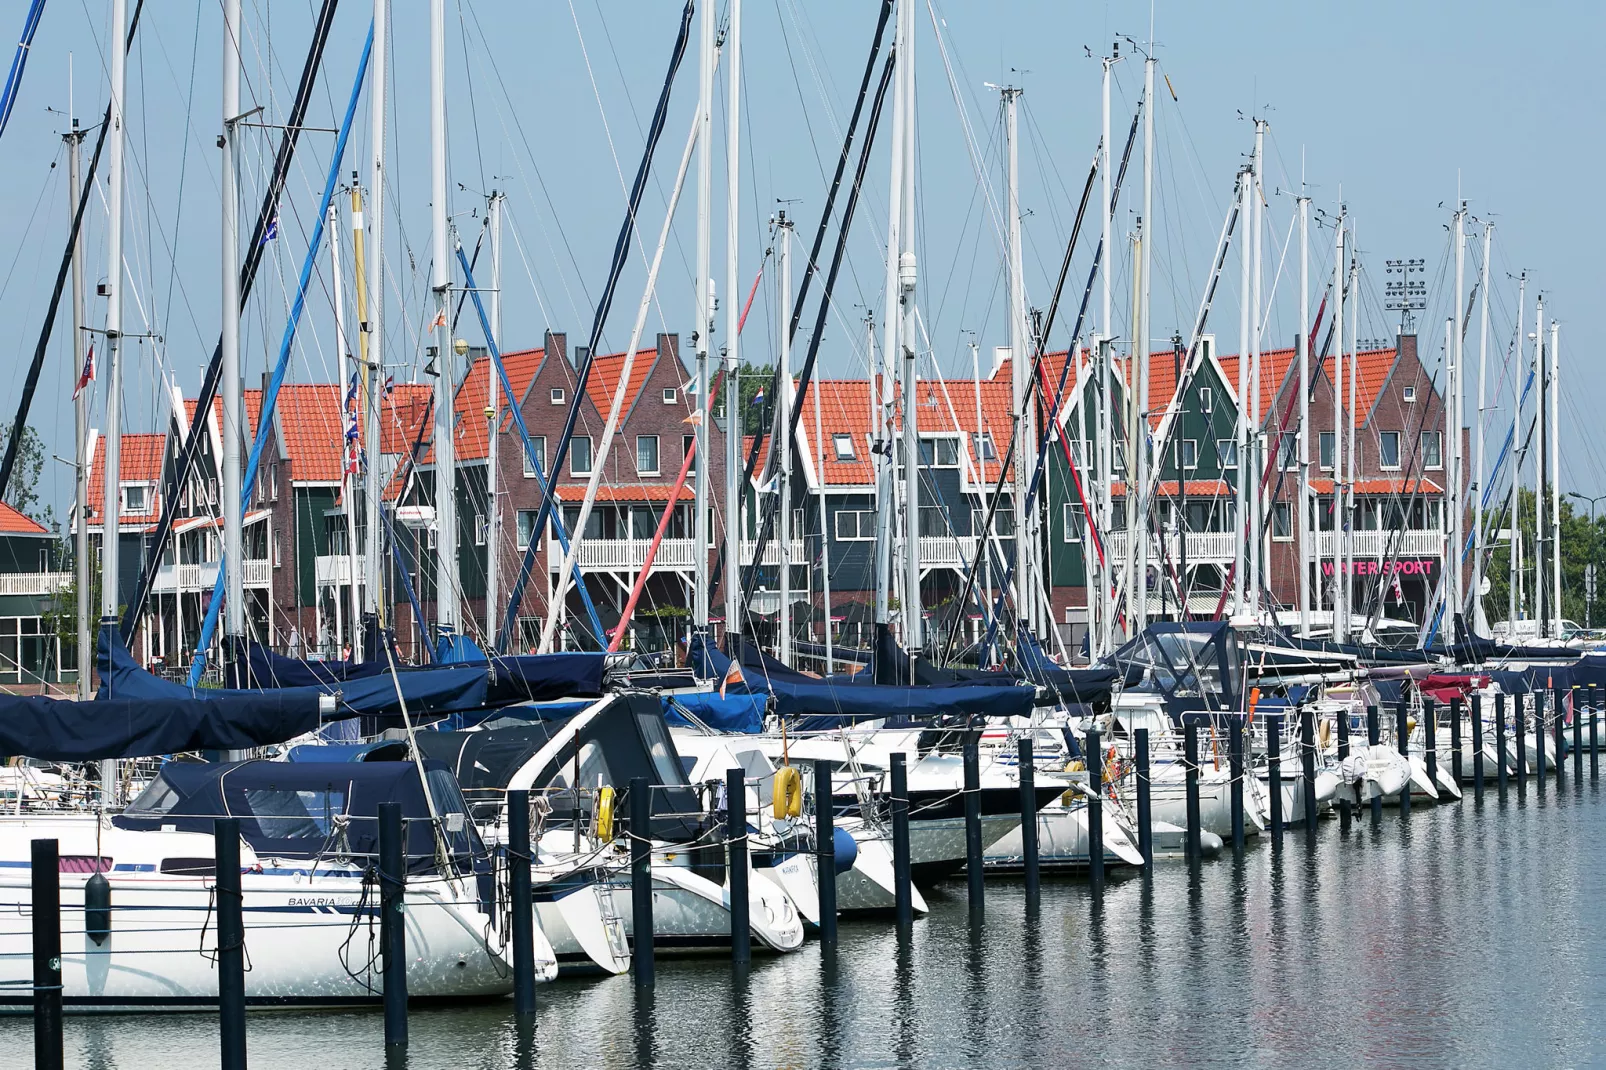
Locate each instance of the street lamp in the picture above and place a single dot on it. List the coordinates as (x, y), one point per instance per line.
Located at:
(1589, 571)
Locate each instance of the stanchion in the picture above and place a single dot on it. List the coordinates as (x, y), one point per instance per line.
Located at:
(46, 907)
(903, 897)
(641, 923)
(1307, 766)
(825, 849)
(1374, 738)
(1235, 768)
(736, 867)
(1477, 746)
(1028, 816)
(1457, 765)
(1095, 810)
(1274, 775)
(974, 877)
(518, 883)
(1190, 767)
(1145, 804)
(393, 922)
(230, 942)
(1501, 770)
(1343, 752)
(1430, 742)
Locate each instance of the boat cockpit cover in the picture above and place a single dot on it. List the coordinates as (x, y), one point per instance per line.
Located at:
(426, 691)
(528, 677)
(1091, 686)
(268, 669)
(310, 809)
(63, 731)
(730, 712)
(891, 664)
(1194, 664)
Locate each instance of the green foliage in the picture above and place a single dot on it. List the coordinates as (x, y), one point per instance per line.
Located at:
(755, 417)
(1581, 544)
(22, 493)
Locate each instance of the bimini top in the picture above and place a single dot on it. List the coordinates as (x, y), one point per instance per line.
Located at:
(310, 809)
(1194, 664)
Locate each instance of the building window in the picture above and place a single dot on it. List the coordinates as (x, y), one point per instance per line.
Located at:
(1388, 449)
(688, 447)
(1282, 521)
(1288, 451)
(1072, 518)
(939, 452)
(275, 541)
(1433, 449)
(1227, 452)
(479, 529)
(670, 395)
(647, 455)
(983, 446)
(1189, 451)
(1410, 394)
(842, 447)
(1206, 400)
(273, 485)
(538, 448)
(434, 536)
(1118, 455)
(853, 525)
(136, 499)
(1324, 450)
(526, 522)
(580, 455)
(557, 395)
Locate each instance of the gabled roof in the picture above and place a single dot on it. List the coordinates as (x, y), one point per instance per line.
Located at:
(626, 492)
(13, 522)
(139, 462)
(469, 405)
(606, 372)
(312, 428)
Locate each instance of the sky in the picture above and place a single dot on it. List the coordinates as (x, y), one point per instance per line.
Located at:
(1394, 108)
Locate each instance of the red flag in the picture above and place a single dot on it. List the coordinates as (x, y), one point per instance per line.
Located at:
(87, 374)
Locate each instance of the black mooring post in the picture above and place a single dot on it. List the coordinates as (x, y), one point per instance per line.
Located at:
(522, 905)
(1541, 722)
(393, 922)
(1594, 732)
(1028, 816)
(1457, 765)
(1374, 738)
(1477, 746)
(1430, 743)
(1343, 752)
(736, 840)
(230, 942)
(1307, 766)
(1095, 810)
(903, 897)
(1274, 775)
(1578, 736)
(1235, 767)
(1145, 803)
(825, 850)
(974, 875)
(641, 923)
(1519, 726)
(1190, 769)
(1501, 771)
(46, 905)
(1558, 725)
(1402, 740)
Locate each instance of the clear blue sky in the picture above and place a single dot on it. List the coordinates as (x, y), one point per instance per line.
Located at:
(1397, 105)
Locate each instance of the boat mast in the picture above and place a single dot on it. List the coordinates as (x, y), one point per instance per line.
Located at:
(447, 586)
(229, 425)
(348, 446)
(733, 312)
(1257, 438)
(704, 301)
(354, 477)
(493, 419)
(1302, 344)
(780, 439)
(75, 141)
(111, 503)
(886, 486)
(1539, 467)
(1555, 471)
(1480, 620)
(1340, 581)
(1106, 484)
(373, 287)
(1138, 525)
(1454, 354)
(1244, 523)
(825, 533)
(1514, 498)
(1352, 381)
(907, 277)
(1019, 365)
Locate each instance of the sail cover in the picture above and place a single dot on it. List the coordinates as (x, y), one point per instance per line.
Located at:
(62, 731)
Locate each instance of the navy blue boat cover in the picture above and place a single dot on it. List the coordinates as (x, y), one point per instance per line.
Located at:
(62, 731)
(1090, 686)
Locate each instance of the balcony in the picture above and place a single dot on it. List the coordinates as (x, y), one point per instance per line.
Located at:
(628, 555)
(34, 583)
(195, 578)
(334, 570)
(1204, 547)
(1373, 545)
(948, 551)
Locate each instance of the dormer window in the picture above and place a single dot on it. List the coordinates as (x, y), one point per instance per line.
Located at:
(842, 447)
(136, 499)
(557, 395)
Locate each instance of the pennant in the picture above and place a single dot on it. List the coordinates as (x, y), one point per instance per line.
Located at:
(733, 675)
(689, 387)
(87, 375)
(272, 233)
(439, 320)
(695, 419)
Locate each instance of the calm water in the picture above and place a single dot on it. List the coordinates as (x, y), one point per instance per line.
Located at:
(1469, 936)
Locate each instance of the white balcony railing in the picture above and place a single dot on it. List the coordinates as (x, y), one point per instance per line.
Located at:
(947, 551)
(627, 555)
(38, 583)
(1372, 545)
(333, 570)
(185, 578)
(257, 573)
(1204, 547)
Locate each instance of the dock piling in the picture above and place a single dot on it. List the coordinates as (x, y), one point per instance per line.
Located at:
(1430, 741)
(736, 868)
(641, 923)
(1190, 759)
(522, 928)
(903, 898)
(1477, 746)
(1519, 726)
(1541, 723)
(1274, 774)
(1028, 816)
(393, 922)
(1402, 740)
(1501, 772)
(1457, 765)
(46, 872)
(1235, 767)
(1145, 803)
(1307, 767)
(1578, 736)
(825, 850)
(1343, 752)
(230, 942)
(1374, 738)
(1095, 810)
(974, 875)
(1594, 732)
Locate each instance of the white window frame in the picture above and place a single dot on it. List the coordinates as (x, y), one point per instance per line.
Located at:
(1206, 399)
(671, 395)
(479, 529)
(1438, 441)
(1184, 445)
(1226, 454)
(858, 525)
(1409, 394)
(518, 528)
(1382, 436)
(838, 440)
(1068, 518)
(1288, 451)
(640, 471)
(539, 442)
(144, 489)
(1287, 509)
(1326, 443)
(591, 457)
(557, 395)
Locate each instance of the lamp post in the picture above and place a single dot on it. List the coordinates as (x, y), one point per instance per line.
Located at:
(1589, 572)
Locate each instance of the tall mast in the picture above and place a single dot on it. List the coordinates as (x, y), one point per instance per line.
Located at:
(704, 302)
(354, 476)
(1514, 498)
(1257, 531)
(493, 417)
(1480, 621)
(1340, 518)
(1539, 467)
(75, 141)
(111, 506)
(733, 313)
(886, 484)
(1019, 365)
(229, 426)
(1106, 484)
(447, 587)
(825, 533)
(1555, 472)
(348, 447)
(781, 440)
(1351, 438)
(1454, 355)
(907, 277)
(374, 324)
(1302, 344)
(1138, 525)
(1244, 524)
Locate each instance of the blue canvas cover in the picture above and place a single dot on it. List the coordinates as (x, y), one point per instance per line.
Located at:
(1091, 686)
(275, 670)
(425, 691)
(61, 731)
(731, 712)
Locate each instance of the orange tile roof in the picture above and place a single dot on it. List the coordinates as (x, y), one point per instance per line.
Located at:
(469, 405)
(604, 380)
(1203, 488)
(139, 462)
(252, 400)
(313, 429)
(625, 492)
(14, 523)
(1382, 486)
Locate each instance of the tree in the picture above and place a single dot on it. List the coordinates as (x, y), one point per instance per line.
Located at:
(1580, 546)
(22, 494)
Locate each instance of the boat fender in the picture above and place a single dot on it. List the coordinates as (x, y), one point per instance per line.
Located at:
(98, 909)
(1324, 731)
(787, 793)
(847, 849)
(602, 820)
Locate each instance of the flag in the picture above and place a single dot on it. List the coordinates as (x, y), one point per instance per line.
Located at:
(439, 321)
(272, 232)
(758, 398)
(1399, 595)
(733, 675)
(695, 419)
(87, 375)
(353, 446)
(689, 387)
(390, 384)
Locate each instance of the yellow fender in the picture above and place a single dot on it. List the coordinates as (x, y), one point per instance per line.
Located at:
(1324, 730)
(602, 819)
(787, 795)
